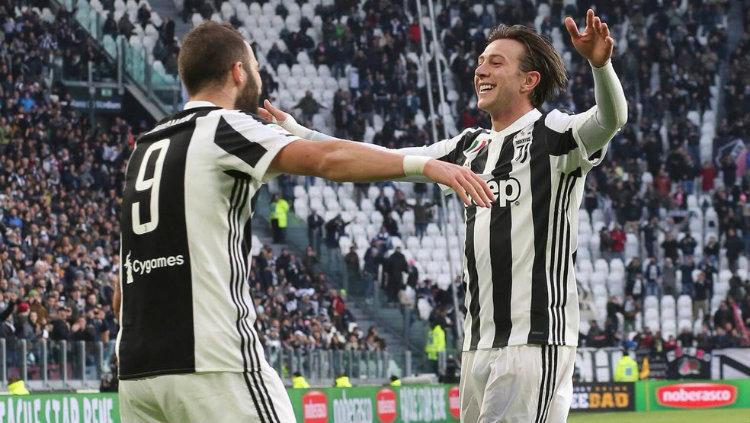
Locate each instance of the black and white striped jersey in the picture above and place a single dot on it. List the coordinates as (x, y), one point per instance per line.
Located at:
(520, 253)
(185, 229)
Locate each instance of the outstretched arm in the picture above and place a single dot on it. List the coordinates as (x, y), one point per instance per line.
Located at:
(438, 150)
(340, 160)
(599, 124)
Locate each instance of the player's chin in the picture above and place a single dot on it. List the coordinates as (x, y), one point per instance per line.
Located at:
(486, 103)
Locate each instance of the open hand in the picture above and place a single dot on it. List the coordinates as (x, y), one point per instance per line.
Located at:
(594, 43)
(468, 185)
(270, 113)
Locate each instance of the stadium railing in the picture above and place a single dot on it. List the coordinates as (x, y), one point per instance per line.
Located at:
(147, 74)
(320, 366)
(54, 365)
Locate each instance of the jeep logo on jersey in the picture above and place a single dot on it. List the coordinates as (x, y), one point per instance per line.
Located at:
(142, 267)
(506, 190)
(696, 395)
(385, 402)
(315, 407)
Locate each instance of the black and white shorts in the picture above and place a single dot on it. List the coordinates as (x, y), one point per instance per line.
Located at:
(519, 383)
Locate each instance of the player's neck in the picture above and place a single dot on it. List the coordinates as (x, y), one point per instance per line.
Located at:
(217, 97)
(505, 118)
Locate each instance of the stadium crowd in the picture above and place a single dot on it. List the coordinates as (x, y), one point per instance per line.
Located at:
(60, 173)
(668, 56)
(297, 308)
(61, 176)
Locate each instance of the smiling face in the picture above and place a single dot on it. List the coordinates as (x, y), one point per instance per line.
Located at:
(498, 79)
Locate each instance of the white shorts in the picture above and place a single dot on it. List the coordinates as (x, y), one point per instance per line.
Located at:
(520, 383)
(206, 397)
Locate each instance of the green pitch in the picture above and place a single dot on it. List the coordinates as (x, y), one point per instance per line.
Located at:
(678, 416)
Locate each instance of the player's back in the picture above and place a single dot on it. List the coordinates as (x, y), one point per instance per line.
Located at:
(185, 225)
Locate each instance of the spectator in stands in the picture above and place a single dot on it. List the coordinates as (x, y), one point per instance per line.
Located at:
(711, 250)
(630, 309)
(596, 338)
(352, 263)
(309, 107)
(279, 218)
(734, 246)
(723, 315)
(701, 292)
(614, 307)
(687, 268)
(653, 277)
(395, 267)
(645, 340)
(383, 204)
(688, 244)
(334, 231)
(399, 203)
(650, 229)
(669, 277)
(338, 310)
(315, 229)
(422, 216)
(373, 260)
(383, 240)
(671, 247)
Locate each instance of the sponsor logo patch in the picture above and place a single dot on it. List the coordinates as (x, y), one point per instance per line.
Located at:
(696, 395)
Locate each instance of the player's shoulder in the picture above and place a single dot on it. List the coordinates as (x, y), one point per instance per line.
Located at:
(469, 134)
(557, 120)
(246, 119)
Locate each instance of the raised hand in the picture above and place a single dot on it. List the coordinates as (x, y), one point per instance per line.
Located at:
(468, 185)
(272, 114)
(594, 43)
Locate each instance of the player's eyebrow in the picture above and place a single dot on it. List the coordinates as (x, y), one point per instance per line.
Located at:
(492, 55)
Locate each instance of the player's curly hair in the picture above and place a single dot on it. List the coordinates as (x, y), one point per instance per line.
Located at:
(208, 52)
(540, 56)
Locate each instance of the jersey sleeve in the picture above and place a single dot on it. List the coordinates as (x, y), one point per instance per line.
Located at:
(566, 143)
(249, 145)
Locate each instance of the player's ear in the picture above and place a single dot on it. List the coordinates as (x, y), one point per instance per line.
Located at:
(531, 80)
(239, 75)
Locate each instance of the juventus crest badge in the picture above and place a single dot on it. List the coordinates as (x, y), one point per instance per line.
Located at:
(522, 143)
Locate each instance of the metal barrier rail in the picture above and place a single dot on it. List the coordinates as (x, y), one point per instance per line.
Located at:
(50, 365)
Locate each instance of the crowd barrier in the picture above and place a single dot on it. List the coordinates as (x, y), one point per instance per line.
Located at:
(406, 404)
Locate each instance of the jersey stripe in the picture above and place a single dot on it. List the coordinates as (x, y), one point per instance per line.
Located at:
(540, 203)
(562, 254)
(564, 282)
(235, 200)
(552, 286)
(471, 271)
(236, 144)
(477, 165)
(501, 252)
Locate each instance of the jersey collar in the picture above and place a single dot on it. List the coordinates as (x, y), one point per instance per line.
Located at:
(530, 117)
(198, 103)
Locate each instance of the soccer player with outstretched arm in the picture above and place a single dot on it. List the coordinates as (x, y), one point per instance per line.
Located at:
(521, 329)
(188, 349)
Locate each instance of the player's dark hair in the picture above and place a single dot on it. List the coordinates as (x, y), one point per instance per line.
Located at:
(208, 52)
(540, 56)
